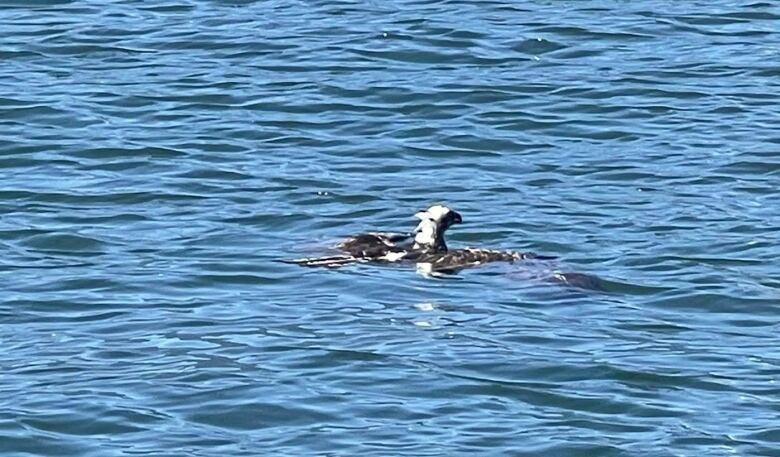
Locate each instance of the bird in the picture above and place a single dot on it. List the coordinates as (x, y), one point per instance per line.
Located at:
(424, 246)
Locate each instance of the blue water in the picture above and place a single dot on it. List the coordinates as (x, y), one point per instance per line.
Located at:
(159, 159)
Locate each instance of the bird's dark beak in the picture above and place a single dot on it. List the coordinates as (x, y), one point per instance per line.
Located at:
(456, 219)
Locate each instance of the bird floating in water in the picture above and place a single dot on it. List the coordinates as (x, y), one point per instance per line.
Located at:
(424, 246)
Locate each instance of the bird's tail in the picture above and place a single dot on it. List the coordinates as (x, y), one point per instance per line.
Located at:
(329, 262)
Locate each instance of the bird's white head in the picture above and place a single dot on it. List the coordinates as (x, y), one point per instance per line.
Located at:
(434, 221)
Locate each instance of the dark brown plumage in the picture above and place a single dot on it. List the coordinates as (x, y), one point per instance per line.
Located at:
(425, 246)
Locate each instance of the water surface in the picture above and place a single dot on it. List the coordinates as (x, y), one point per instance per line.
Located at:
(157, 159)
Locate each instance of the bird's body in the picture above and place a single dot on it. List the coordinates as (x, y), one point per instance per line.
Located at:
(460, 259)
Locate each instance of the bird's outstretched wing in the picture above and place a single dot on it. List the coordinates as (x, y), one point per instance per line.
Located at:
(375, 245)
(366, 247)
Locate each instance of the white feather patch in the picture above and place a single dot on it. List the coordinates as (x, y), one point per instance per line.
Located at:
(394, 256)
